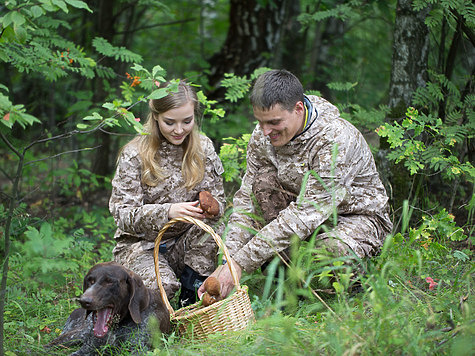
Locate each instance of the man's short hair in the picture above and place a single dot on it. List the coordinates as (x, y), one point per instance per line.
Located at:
(277, 86)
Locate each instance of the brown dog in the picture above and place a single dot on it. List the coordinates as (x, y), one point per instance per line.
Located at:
(116, 307)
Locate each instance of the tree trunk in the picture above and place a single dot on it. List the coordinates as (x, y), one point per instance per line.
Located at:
(104, 24)
(408, 72)
(326, 34)
(292, 51)
(253, 37)
(450, 63)
(410, 54)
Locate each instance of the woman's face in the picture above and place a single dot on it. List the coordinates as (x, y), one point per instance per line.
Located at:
(176, 124)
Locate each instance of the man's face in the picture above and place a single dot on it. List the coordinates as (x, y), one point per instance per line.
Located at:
(279, 124)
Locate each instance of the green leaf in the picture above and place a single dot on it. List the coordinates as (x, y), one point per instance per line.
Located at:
(7, 123)
(78, 4)
(37, 11)
(61, 4)
(95, 116)
(338, 287)
(137, 67)
(326, 273)
(109, 106)
(20, 33)
(158, 94)
(7, 19)
(158, 70)
(17, 18)
(29, 119)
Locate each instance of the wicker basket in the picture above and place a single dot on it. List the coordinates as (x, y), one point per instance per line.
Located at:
(195, 321)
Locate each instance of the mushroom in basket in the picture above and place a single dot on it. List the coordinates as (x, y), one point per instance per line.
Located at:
(212, 292)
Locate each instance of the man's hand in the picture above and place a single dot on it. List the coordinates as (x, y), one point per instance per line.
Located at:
(223, 274)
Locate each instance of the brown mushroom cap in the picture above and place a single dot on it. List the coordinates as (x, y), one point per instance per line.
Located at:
(212, 291)
(208, 203)
(212, 286)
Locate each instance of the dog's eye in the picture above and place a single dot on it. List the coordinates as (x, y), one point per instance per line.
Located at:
(108, 280)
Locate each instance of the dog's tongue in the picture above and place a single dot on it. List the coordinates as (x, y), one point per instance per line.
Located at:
(100, 327)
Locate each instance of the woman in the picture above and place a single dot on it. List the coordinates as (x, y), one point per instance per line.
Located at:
(158, 178)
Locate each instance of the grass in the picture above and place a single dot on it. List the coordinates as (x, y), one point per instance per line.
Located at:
(397, 309)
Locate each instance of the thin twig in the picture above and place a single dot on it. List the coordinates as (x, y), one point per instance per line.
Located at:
(10, 146)
(157, 25)
(5, 173)
(62, 153)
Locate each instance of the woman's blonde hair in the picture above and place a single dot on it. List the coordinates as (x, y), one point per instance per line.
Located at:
(193, 163)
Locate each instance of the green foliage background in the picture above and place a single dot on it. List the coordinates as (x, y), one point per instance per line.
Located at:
(75, 77)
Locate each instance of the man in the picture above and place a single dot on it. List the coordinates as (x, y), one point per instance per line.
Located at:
(303, 163)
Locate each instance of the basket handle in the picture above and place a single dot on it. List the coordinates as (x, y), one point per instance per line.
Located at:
(206, 228)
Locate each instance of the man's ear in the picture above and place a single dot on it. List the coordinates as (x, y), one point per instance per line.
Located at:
(299, 107)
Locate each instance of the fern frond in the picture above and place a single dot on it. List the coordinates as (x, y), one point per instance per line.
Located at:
(453, 118)
(430, 154)
(343, 12)
(347, 86)
(467, 10)
(313, 92)
(236, 86)
(447, 84)
(105, 72)
(456, 134)
(119, 53)
(470, 100)
(434, 18)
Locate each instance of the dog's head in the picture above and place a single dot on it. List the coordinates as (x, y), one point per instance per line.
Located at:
(111, 292)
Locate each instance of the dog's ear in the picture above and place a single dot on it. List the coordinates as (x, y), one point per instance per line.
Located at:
(139, 297)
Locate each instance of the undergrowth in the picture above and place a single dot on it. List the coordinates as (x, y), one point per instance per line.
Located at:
(415, 298)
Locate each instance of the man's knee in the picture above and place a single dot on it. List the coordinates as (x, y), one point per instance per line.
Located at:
(270, 196)
(334, 247)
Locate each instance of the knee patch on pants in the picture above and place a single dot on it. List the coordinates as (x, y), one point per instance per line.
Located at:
(270, 195)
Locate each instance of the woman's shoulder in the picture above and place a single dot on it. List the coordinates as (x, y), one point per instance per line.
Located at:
(206, 143)
(130, 150)
(210, 154)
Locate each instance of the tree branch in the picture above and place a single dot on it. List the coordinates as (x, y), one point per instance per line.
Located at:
(468, 32)
(10, 146)
(5, 173)
(60, 154)
(450, 64)
(64, 135)
(157, 25)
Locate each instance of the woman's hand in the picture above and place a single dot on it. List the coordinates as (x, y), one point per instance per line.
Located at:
(191, 208)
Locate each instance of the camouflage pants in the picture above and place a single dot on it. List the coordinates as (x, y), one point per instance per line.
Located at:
(193, 248)
(351, 236)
